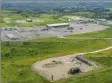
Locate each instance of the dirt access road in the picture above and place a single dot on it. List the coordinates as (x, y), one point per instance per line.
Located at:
(46, 68)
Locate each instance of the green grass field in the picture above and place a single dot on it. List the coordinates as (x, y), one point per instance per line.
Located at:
(110, 9)
(43, 19)
(17, 58)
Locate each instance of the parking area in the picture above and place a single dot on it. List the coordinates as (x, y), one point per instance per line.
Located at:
(28, 33)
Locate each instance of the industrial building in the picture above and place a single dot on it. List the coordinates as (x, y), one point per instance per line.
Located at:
(11, 36)
(58, 25)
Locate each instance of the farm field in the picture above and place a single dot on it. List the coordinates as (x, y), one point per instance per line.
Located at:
(17, 58)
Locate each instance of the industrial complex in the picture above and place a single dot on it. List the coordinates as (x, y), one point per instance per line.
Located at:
(50, 30)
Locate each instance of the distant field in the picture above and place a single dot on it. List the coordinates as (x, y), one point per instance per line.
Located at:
(18, 57)
(110, 9)
(9, 19)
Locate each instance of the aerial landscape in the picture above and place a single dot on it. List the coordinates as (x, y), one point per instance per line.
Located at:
(56, 41)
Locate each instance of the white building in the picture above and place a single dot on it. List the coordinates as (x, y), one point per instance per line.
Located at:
(11, 36)
(58, 25)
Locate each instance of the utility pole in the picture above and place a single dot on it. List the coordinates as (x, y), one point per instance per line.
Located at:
(52, 77)
(97, 24)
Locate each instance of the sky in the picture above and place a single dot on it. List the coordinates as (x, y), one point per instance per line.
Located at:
(57, 0)
(54, 0)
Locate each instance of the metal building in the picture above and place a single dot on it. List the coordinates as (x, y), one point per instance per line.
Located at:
(11, 36)
(58, 25)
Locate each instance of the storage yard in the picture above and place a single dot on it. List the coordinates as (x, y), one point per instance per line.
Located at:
(63, 67)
